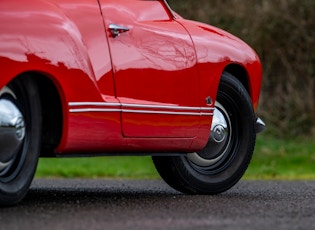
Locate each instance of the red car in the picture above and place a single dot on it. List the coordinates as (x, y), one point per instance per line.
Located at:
(124, 77)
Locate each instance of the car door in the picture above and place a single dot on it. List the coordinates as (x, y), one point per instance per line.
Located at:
(154, 69)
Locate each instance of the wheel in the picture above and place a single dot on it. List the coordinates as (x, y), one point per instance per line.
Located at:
(20, 122)
(225, 158)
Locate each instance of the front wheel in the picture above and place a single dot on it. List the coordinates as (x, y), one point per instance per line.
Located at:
(20, 127)
(225, 158)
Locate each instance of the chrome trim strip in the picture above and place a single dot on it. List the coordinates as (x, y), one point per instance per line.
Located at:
(139, 108)
(93, 110)
(166, 112)
(206, 114)
(167, 107)
(93, 104)
(206, 109)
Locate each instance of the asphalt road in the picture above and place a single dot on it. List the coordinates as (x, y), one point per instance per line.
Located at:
(151, 204)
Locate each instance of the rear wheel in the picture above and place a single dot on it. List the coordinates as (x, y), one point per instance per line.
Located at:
(225, 158)
(20, 127)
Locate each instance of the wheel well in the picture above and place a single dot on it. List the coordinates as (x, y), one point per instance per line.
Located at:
(51, 114)
(240, 73)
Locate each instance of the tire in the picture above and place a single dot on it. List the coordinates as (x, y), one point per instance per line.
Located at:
(225, 158)
(19, 150)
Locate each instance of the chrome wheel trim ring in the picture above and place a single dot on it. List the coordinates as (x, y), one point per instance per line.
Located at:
(12, 130)
(220, 136)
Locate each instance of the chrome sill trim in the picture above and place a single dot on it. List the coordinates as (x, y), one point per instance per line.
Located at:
(93, 110)
(206, 114)
(166, 112)
(167, 107)
(139, 108)
(93, 104)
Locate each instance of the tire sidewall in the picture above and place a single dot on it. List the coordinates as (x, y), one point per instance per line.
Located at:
(15, 189)
(231, 93)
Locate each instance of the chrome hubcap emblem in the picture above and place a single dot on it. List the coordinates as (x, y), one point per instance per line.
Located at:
(218, 133)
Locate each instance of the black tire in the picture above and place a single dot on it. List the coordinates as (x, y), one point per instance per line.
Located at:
(225, 158)
(16, 177)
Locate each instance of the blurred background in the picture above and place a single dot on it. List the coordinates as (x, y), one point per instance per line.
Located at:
(283, 34)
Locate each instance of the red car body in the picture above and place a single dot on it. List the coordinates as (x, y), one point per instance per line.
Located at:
(121, 77)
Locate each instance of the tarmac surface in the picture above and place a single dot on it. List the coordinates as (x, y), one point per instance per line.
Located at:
(151, 204)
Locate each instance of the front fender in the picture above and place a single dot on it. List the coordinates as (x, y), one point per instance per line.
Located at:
(216, 51)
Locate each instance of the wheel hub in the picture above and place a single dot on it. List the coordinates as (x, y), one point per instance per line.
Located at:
(12, 129)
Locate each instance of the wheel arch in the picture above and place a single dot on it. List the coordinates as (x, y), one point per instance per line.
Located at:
(239, 73)
(249, 77)
(51, 112)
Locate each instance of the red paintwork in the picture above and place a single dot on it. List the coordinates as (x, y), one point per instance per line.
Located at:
(144, 90)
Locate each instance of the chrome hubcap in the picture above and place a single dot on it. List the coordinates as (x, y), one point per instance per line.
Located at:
(219, 140)
(12, 129)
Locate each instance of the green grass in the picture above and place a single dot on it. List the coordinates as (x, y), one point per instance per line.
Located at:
(96, 167)
(283, 159)
(273, 159)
